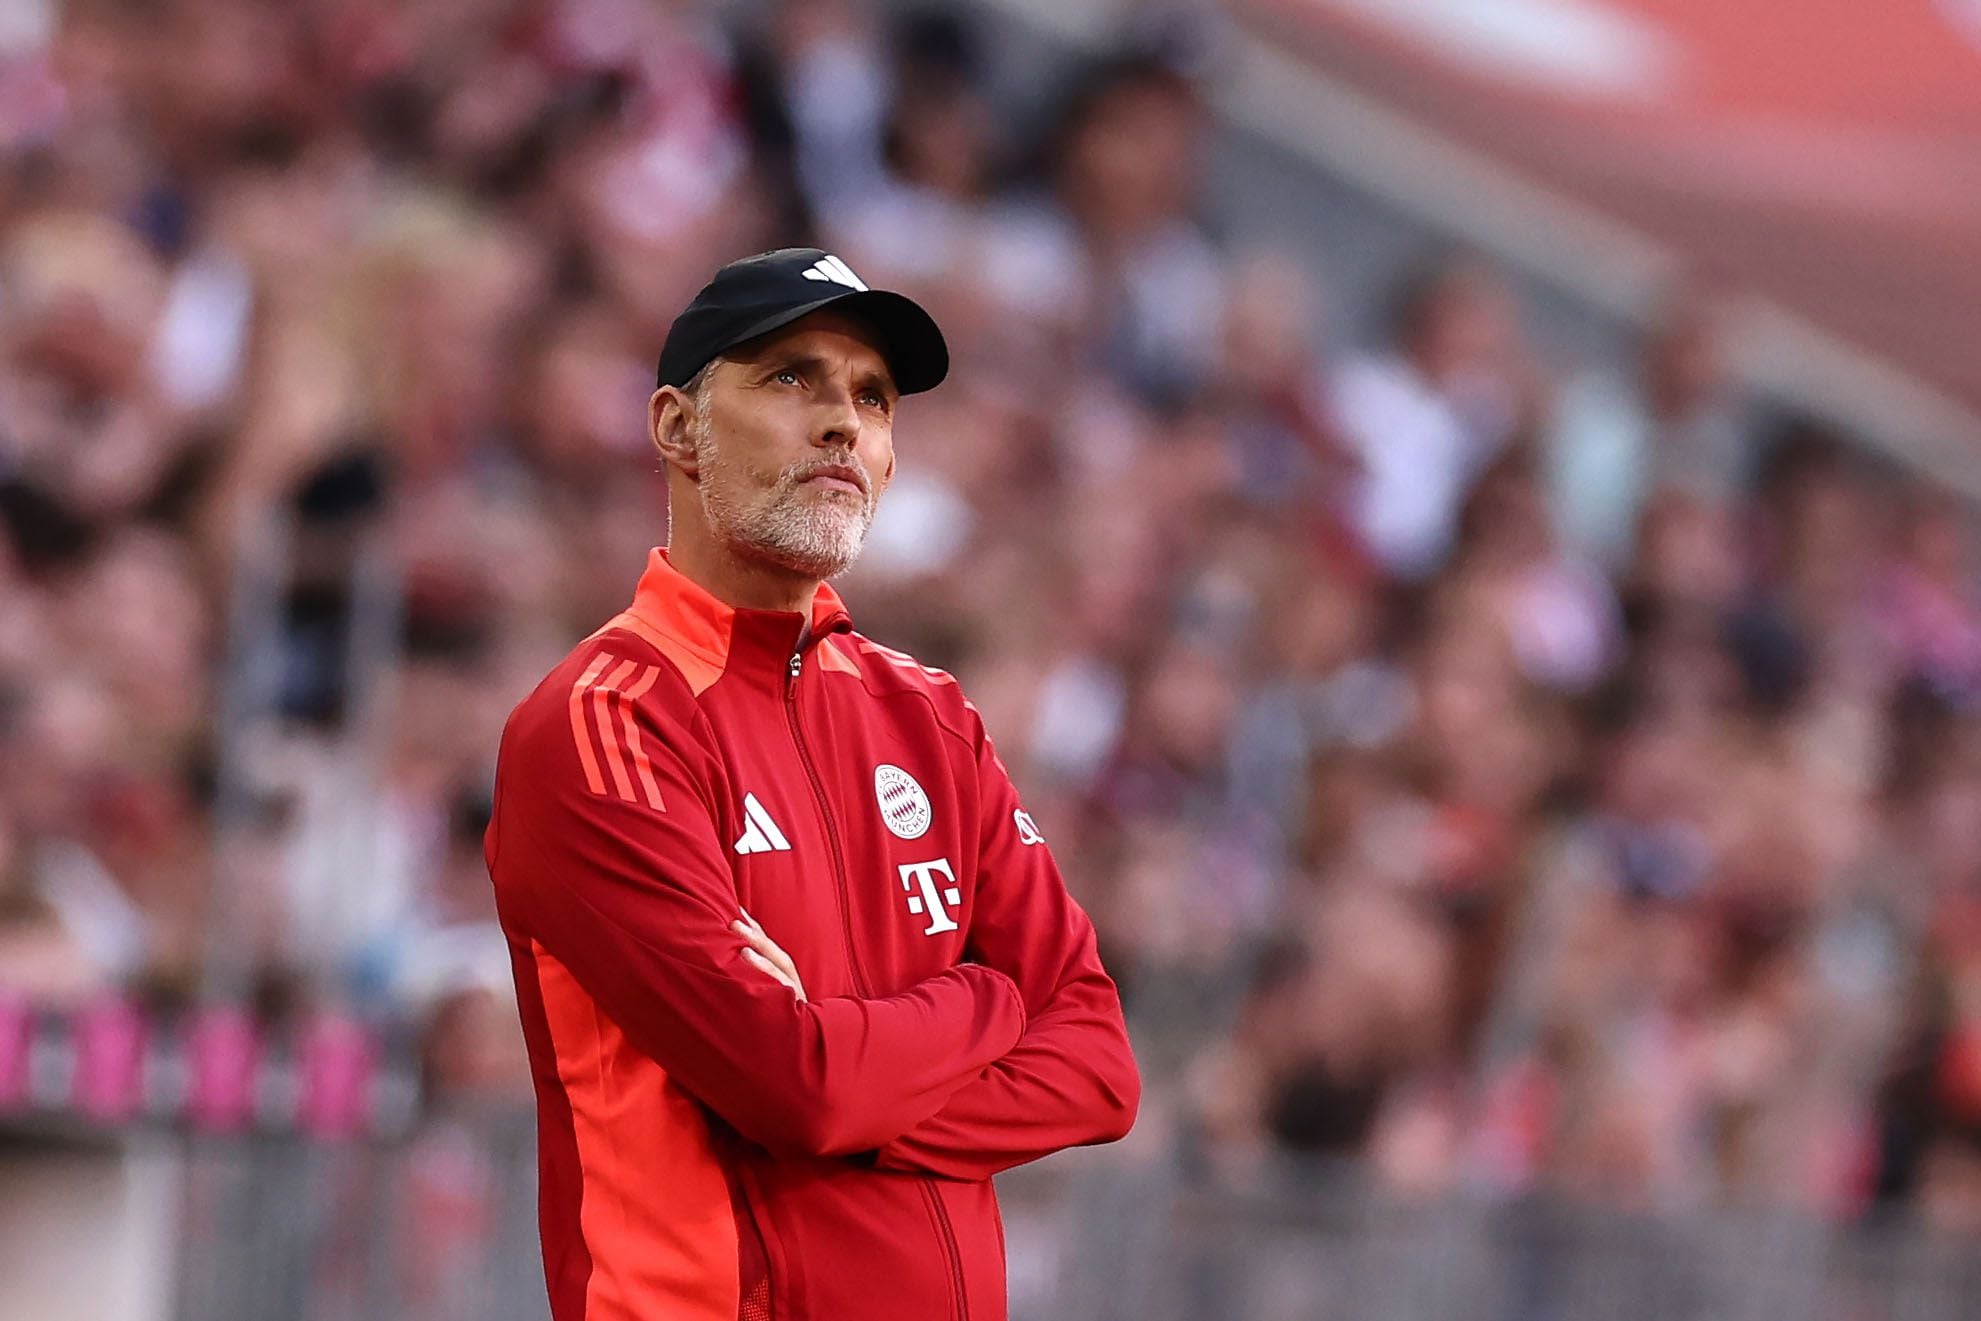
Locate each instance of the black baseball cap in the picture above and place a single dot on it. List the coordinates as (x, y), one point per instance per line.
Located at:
(759, 294)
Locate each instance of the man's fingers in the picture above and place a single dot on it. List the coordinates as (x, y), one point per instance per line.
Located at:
(764, 965)
(759, 941)
(763, 944)
(763, 953)
(755, 938)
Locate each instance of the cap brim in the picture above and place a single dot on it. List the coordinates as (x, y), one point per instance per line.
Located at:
(917, 355)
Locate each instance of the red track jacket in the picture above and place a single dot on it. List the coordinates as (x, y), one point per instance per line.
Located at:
(710, 1148)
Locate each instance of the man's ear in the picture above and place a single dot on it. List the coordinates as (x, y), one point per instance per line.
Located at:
(670, 425)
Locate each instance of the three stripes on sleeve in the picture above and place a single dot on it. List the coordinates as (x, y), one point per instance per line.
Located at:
(613, 685)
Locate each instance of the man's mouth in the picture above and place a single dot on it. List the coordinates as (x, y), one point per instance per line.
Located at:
(837, 477)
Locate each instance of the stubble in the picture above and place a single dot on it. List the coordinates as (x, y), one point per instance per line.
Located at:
(809, 531)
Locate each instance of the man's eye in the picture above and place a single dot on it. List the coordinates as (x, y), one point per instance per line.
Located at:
(786, 376)
(874, 399)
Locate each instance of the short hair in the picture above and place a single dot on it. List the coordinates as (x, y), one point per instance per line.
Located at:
(697, 387)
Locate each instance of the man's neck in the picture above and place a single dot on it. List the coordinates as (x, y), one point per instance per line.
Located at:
(747, 584)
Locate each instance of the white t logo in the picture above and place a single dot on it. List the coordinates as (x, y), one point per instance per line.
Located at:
(932, 898)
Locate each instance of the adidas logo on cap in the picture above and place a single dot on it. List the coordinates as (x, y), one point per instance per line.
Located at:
(837, 271)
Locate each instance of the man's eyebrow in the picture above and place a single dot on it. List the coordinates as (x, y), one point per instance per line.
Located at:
(879, 380)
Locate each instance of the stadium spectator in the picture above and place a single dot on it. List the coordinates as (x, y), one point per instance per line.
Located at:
(1578, 786)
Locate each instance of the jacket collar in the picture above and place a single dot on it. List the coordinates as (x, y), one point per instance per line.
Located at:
(670, 603)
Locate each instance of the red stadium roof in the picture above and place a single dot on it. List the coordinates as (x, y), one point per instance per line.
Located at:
(1824, 154)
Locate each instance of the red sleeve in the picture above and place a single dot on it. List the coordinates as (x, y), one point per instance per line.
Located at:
(1071, 1080)
(636, 901)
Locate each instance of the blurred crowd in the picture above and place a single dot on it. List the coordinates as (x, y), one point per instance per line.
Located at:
(1520, 773)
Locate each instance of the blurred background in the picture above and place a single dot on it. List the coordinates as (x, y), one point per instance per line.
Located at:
(1460, 516)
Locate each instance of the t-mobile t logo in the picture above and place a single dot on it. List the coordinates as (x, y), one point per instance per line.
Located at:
(933, 897)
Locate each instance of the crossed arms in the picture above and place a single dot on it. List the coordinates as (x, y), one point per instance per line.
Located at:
(981, 1067)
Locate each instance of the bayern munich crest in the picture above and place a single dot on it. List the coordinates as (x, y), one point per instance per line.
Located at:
(903, 805)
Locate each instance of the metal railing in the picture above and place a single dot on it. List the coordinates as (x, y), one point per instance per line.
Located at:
(442, 1227)
(1316, 1243)
(438, 1227)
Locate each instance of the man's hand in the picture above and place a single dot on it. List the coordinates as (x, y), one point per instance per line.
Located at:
(763, 953)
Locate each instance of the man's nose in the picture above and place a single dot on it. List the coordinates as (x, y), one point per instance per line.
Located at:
(837, 421)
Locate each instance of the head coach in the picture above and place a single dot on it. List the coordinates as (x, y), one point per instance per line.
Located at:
(797, 972)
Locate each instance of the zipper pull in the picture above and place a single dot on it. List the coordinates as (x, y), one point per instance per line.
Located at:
(797, 664)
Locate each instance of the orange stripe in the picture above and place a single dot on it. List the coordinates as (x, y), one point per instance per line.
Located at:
(655, 1213)
(601, 697)
(641, 765)
(901, 660)
(581, 735)
(832, 658)
(695, 667)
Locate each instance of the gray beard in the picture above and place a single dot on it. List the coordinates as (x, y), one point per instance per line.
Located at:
(817, 538)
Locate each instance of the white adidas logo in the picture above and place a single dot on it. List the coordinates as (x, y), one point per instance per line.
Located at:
(837, 271)
(763, 836)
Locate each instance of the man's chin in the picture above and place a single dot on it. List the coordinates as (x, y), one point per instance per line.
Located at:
(820, 542)
(810, 561)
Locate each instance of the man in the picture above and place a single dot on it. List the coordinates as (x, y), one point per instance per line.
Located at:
(797, 972)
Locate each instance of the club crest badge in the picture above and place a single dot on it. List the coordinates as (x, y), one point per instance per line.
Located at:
(903, 805)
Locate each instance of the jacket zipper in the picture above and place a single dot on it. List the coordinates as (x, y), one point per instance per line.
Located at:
(825, 815)
(948, 1233)
(944, 1229)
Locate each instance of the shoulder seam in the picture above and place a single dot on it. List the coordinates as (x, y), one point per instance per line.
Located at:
(697, 668)
(942, 720)
(619, 683)
(610, 637)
